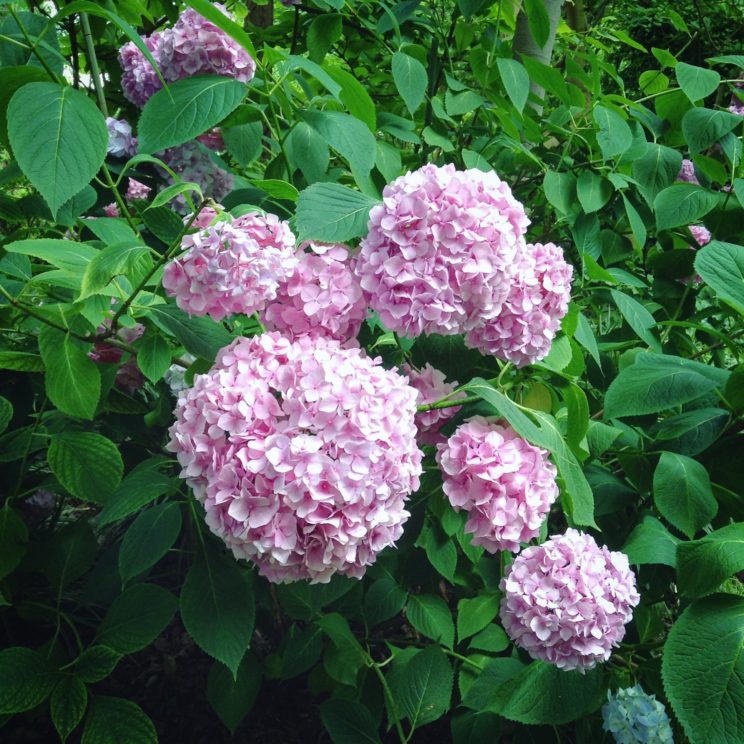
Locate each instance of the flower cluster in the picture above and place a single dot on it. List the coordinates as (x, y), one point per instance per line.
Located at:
(567, 601)
(538, 298)
(505, 484)
(231, 266)
(303, 453)
(137, 190)
(634, 717)
(440, 251)
(322, 296)
(121, 144)
(432, 386)
(700, 234)
(193, 46)
(687, 172)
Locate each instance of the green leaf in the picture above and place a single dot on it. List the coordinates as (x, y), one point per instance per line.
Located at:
(538, 21)
(218, 608)
(295, 62)
(636, 223)
(440, 549)
(692, 432)
(129, 259)
(637, 317)
(244, 141)
(307, 150)
(332, 213)
(148, 539)
(479, 695)
(696, 82)
(474, 614)
(153, 356)
(136, 618)
(169, 193)
(614, 136)
(432, 618)
(355, 98)
(348, 722)
(702, 668)
(143, 484)
(516, 81)
(6, 413)
(584, 334)
(87, 464)
(656, 169)
(656, 382)
(68, 703)
(302, 651)
(703, 565)
(113, 720)
(593, 191)
(425, 687)
(651, 542)
(345, 657)
(721, 266)
(682, 204)
(67, 554)
(560, 190)
(384, 599)
(64, 254)
(492, 639)
(96, 663)
(232, 698)
(201, 336)
(21, 361)
(186, 109)
(11, 79)
(682, 493)
(410, 78)
(25, 679)
(325, 30)
(703, 127)
(66, 145)
(72, 379)
(13, 538)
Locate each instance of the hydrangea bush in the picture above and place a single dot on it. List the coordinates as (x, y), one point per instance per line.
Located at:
(367, 374)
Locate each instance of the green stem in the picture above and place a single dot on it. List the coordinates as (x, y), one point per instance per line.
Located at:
(32, 46)
(389, 695)
(448, 403)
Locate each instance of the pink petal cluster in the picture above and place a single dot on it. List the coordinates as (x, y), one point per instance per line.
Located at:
(538, 298)
(687, 172)
(205, 218)
(701, 234)
(111, 210)
(568, 600)
(193, 163)
(322, 296)
(231, 266)
(195, 46)
(137, 190)
(440, 251)
(505, 484)
(139, 80)
(432, 386)
(302, 452)
(121, 144)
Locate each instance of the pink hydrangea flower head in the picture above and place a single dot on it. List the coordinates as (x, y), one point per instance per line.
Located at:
(139, 79)
(195, 46)
(112, 210)
(137, 190)
(206, 217)
(322, 296)
(302, 452)
(701, 234)
(432, 386)
(538, 299)
(193, 164)
(687, 172)
(568, 600)
(229, 267)
(440, 250)
(505, 484)
(121, 144)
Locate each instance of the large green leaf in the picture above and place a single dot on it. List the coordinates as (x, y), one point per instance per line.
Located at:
(637, 317)
(188, 108)
(703, 565)
(696, 82)
(704, 127)
(682, 204)
(348, 722)
(651, 542)
(516, 81)
(308, 151)
(721, 266)
(538, 21)
(136, 618)
(87, 464)
(703, 669)
(153, 356)
(593, 191)
(11, 79)
(430, 615)
(218, 608)
(656, 169)
(64, 254)
(113, 720)
(13, 538)
(232, 698)
(129, 259)
(26, 679)
(614, 135)
(201, 336)
(424, 689)
(344, 657)
(474, 614)
(67, 705)
(682, 492)
(410, 79)
(333, 213)
(66, 145)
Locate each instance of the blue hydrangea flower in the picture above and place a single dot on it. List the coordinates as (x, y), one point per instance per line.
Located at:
(633, 716)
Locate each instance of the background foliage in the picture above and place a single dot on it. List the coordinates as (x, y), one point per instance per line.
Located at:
(121, 615)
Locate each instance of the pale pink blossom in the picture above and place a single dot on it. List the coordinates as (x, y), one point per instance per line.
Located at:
(136, 190)
(112, 210)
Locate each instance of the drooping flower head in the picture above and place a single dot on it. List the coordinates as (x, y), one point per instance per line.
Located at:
(231, 266)
(137, 190)
(634, 717)
(505, 484)
(322, 296)
(432, 386)
(195, 46)
(687, 172)
(121, 144)
(139, 80)
(568, 600)
(538, 298)
(440, 252)
(302, 452)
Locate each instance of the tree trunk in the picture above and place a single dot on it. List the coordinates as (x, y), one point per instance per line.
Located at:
(524, 44)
